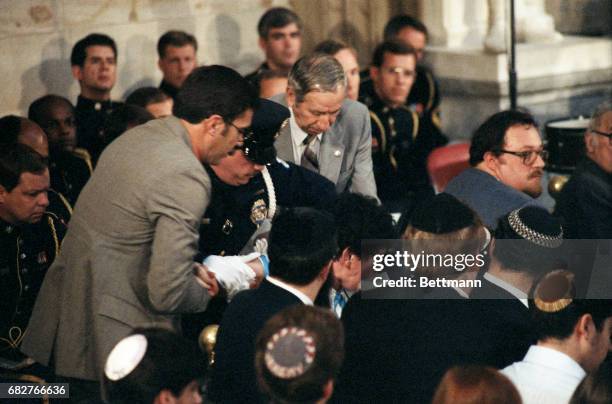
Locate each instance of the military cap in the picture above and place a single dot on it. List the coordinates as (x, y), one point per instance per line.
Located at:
(267, 121)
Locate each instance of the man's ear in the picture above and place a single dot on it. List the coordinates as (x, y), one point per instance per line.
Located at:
(164, 397)
(290, 97)
(3, 193)
(262, 44)
(77, 72)
(214, 125)
(585, 327)
(490, 160)
(328, 390)
(345, 257)
(374, 73)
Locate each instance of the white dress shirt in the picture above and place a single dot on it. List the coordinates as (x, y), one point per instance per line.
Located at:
(298, 136)
(545, 376)
(305, 299)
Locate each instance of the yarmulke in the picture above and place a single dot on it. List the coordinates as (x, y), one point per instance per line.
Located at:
(537, 226)
(442, 214)
(267, 121)
(555, 291)
(289, 353)
(125, 356)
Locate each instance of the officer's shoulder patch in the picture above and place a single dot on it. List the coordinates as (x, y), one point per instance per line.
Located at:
(283, 162)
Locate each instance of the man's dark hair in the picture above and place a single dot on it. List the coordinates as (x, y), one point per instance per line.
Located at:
(10, 128)
(553, 322)
(490, 136)
(327, 341)
(215, 89)
(394, 47)
(177, 39)
(146, 95)
(170, 362)
(79, 50)
(16, 159)
(399, 22)
(122, 118)
(277, 17)
(302, 241)
(39, 109)
(358, 218)
(331, 47)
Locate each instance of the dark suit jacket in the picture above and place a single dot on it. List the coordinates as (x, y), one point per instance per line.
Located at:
(585, 203)
(233, 377)
(397, 350)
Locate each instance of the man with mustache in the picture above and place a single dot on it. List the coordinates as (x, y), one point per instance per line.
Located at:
(507, 159)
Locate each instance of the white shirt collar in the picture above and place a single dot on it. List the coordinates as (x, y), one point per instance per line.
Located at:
(551, 358)
(519, 294)
(297, 138)
(305, 299)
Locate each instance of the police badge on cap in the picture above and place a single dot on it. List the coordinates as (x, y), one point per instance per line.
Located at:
(267, 121)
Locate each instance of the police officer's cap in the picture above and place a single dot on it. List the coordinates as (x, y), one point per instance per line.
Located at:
(267, 121)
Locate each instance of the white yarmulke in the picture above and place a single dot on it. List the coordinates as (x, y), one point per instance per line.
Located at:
(125, 356)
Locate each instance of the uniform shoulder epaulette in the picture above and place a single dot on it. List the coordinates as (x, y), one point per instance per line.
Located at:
(83, 155)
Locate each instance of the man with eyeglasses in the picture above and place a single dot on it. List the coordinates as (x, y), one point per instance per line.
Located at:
(585, 202)
(507, 159)
(401, 140)
(128, 257)
(70, 166)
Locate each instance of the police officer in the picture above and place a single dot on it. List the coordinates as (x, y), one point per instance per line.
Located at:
(70, 166)
(401, 140)
(252, 184)
(248, 188)
(30, 240)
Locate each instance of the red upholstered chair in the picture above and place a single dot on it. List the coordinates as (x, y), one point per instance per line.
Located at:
(446, 162)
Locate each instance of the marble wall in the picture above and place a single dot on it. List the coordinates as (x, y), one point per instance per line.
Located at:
(36, 38)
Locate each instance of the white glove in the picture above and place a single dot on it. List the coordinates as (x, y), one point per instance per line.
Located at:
(232, 272)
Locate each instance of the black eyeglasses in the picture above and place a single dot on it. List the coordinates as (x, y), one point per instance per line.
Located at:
(245, 132)
(529, 157)
(608, 135)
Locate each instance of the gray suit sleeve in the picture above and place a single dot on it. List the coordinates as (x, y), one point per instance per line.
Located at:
(362, 180)
(176, 209)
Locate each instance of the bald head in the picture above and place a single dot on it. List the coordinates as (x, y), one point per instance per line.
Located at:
(16, 129)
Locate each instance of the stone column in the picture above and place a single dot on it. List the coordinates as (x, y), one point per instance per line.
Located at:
(445, 22)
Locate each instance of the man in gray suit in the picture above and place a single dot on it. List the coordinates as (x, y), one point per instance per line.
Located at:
(127, 260)
(326, 132)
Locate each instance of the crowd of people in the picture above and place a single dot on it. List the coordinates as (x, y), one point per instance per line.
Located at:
(127, 227)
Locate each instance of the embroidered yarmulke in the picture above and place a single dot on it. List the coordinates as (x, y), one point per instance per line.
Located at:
(537, 226)
(289, 353)
(555, 291)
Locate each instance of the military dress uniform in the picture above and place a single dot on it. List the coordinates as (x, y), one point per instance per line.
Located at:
(91, 118)
(69, 172)
(26, 252)
(253, 77)
(424, 97)
(401, 142)
(236, 212)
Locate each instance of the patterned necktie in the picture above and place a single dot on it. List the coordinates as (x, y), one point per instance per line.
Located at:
(340, 300)
(309, 158)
